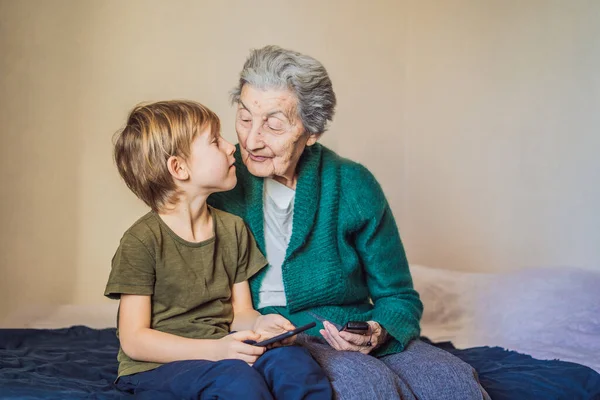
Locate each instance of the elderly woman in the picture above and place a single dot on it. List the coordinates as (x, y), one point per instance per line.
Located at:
(330, 238)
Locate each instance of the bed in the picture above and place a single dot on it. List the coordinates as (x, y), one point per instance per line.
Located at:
(495, 322)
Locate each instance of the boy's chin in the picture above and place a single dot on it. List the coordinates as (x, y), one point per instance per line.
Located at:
(228, 185)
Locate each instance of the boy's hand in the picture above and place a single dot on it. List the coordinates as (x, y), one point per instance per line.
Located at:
(271, 325)
(232, 346)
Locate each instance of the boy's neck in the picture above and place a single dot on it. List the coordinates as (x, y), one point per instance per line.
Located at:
(190, 219)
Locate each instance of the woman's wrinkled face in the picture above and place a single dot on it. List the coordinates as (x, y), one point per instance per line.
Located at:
(271, 135)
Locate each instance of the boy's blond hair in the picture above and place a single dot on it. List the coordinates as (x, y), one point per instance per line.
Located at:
(155, 132)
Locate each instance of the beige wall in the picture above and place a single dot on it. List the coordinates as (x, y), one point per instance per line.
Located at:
(480, 119)
(502, 134)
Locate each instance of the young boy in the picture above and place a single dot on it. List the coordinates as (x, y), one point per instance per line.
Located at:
(181, 272)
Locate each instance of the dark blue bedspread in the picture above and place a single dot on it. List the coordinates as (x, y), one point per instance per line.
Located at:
(73, 363)
(80, 363)
(511, 375)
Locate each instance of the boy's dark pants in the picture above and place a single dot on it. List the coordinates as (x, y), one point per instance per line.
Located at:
(281, 373)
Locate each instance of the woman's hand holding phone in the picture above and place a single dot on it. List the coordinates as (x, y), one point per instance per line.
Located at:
(346, 341)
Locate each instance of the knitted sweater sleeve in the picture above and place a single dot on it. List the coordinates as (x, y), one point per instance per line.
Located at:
(397, 306)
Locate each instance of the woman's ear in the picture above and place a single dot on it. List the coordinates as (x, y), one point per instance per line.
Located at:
(312, 138)
(177, 168)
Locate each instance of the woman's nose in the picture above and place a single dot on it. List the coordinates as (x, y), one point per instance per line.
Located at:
(254, 138)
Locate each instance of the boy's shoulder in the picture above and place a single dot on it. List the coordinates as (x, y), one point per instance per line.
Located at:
(227, 219)
(149, 231)
(146, 229)
(230, 230)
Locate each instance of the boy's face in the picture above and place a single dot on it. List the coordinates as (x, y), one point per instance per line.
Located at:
(210, 163)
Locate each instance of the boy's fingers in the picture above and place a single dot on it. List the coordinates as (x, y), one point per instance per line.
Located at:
(284, 323)
(251, 350)
(289, 341)
(245, 335)
(248, 359)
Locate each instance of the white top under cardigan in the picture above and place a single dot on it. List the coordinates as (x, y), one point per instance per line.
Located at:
(278, 209)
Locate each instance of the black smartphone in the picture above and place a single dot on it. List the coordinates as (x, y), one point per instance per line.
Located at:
(362, 328)
(285, 335)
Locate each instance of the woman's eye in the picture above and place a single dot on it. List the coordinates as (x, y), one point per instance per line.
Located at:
(244, 116)
(274, 124)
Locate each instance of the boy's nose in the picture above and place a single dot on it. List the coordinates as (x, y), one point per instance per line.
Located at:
(230, 148)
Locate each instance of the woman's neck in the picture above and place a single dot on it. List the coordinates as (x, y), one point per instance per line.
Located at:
(289, 178)
(190, 219)
(287, 181)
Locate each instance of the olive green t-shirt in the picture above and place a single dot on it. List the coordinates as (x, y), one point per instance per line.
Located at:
(189, 283)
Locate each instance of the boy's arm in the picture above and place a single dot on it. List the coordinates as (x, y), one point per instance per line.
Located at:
(250, 261)
(246, 317)
(142, 343)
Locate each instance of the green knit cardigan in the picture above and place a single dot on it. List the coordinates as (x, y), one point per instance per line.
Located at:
(345, 261)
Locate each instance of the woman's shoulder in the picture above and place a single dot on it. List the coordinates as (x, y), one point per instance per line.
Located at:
(347, 166)
(359, 190)
(354, 175)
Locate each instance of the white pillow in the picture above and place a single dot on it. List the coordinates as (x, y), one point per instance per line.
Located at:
(545, 312)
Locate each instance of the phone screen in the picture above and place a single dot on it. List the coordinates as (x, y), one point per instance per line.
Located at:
(285, 335)
(359, 327)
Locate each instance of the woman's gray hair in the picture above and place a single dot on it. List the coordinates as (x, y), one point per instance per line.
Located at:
(275, 68)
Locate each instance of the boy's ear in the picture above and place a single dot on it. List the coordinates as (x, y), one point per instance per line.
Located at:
(312, 138)
(177, 168)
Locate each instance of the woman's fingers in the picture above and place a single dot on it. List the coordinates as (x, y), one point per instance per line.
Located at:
(379, 334)
(346, 341)
(327, 338)
(355, 338)
(341, 343)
